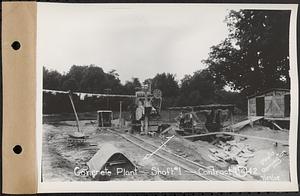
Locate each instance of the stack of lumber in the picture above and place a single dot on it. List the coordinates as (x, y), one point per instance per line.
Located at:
(231, 152)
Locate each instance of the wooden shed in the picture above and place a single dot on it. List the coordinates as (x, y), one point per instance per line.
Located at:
(273, 104)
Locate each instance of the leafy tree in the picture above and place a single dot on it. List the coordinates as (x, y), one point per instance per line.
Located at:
(148, 81)
(115, 83)
(197, 89)
(255, 56)
(71, 81)
(91, 79)
(131, 86)
(166, 83)
(94, 80)
(51, 79)
(114, 73)
(70, 84)
(228, 97)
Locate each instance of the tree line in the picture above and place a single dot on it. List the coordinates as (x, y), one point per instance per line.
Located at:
(192, 90)
(254, 57)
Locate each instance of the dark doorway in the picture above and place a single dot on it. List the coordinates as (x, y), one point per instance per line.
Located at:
(260, 106)
(287, 105)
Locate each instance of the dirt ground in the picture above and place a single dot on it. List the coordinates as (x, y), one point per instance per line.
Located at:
(270, 160)
(60, 157)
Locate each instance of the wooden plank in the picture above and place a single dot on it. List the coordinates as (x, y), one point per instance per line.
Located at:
(244, 123)
(252, 108)
(284, 142)
(202, 107)
(268, 106)
(166, 130)
(277, 119)
(75, 113)
(196, 117)
(201, 135)
(249, 112)
(276, 125)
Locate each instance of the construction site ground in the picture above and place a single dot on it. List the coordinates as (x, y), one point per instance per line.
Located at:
(59, 157)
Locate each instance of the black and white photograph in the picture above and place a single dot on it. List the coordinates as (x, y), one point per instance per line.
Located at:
(167, 92)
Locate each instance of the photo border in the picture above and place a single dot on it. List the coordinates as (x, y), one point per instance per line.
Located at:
(189, 186)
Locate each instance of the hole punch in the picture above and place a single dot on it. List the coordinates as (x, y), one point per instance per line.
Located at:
(16, 45)
(17, 149)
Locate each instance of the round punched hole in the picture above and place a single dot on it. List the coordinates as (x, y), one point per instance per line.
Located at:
(16, 45)
(17, 149)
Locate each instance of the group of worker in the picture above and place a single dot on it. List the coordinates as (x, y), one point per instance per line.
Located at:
(141, 116)
(212, 123)
(186, 121)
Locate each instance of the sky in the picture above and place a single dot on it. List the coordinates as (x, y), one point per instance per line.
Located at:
(135, 40)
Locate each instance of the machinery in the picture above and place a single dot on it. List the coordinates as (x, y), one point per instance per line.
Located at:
(214, 118)
(150, 99)
(104, 118)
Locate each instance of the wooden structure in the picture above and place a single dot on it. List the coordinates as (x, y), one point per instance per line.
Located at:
(273, 104)
(104, 118)
(204, 107)
(241, 124)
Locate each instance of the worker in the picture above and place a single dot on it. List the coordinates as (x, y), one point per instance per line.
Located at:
(148, 109)
(140, 115)
(181, 120)
(209, 120)
(218, 120)
(132, 108)
(190, 121)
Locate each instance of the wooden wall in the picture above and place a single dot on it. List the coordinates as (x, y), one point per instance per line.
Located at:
(274, 104)
(252, 106)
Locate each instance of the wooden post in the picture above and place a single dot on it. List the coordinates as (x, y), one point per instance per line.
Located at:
(231, 119)
(248, 107)
(120, 115)
(77, 119)
(101, 114)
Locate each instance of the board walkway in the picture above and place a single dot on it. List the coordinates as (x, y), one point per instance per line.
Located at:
(243, 123)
